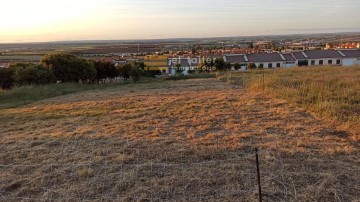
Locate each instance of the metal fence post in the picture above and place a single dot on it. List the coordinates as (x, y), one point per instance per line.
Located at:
(258, 173)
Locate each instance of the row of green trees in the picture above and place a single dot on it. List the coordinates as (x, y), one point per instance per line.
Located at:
(66, 68)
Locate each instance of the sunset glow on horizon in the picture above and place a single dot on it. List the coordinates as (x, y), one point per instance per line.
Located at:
(44, 20)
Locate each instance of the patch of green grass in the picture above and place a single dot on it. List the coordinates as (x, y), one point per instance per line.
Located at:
(19, 96)
(191, 76)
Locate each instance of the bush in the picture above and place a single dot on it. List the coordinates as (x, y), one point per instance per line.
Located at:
(220, 64)
(237, 66)
(6, 78)
(150, 73)
(129, 71)
(32, 74)
(251, 66)
(105, 70)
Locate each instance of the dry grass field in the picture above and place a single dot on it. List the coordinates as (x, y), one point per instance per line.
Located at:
(189, 140)
(330, 93)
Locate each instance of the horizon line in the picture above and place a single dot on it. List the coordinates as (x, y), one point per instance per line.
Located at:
(176, 38)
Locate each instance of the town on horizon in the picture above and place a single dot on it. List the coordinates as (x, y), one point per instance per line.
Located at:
(156, 54)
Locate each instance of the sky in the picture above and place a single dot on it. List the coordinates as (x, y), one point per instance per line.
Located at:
(63, 20)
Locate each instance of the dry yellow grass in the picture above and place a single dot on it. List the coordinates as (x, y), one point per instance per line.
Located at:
(331, 93)
(174, 140)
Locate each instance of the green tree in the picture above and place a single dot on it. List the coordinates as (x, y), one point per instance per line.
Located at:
(6, 78)
(135, 74)
(27, 74)
(251, 66)
(70, 68)
(220, 64)
(105, 70)
(207, 66)
(178, 69)
(140, 65)
(62, 65)
(237, 66)
(228, 66)
(86, 71)
(100, 71)
(129, 71)
(124, 71)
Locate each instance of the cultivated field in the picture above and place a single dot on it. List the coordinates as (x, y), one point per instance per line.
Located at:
(20, 58)
(188, 140)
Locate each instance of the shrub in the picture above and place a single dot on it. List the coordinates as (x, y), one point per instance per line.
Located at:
(150, 73)
(237, 66)
(6, 78)
(251, 66)
(32, 74)
(105, 70)
(128, 71)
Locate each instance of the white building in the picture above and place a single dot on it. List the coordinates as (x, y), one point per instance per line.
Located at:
(263, 60)
(322, 57)
(350, 57)
(298, 58)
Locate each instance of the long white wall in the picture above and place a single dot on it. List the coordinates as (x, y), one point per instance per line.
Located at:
(274, 64)
(325, 61)
(350, 61)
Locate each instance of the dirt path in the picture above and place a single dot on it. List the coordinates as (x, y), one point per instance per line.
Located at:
(185, 140)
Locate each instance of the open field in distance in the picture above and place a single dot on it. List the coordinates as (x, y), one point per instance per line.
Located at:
(19, 58)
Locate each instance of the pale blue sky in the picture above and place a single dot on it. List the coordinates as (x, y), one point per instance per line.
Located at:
(49, 20)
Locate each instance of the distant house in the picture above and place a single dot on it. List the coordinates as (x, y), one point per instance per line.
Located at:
(237, 59)
(262, 60)
(350, 57)
(290, 60)
(320, 57)
(266, 60)
(298, 58)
